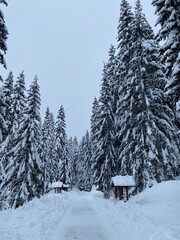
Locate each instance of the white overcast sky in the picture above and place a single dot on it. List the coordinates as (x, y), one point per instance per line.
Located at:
(65, 43)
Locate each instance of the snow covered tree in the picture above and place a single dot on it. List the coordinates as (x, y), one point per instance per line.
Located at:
(16, 111)
(60, 133)
(104, 155)
(84, 164)
(24, 178)
(4, 2)
(168, 12)
(3, 36)
(8, 91)
(95, 116)
(19, 101)
(48, 152)
(74, 154)
(125, 42)
(149, 150)
(3, 125)
(3, 49)
(62, 148)
(7, 107)
(124, 39)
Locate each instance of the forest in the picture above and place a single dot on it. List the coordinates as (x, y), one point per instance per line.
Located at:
(135, 122)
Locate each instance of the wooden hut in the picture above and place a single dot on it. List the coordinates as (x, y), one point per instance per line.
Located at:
(57, 186)
(121, 184)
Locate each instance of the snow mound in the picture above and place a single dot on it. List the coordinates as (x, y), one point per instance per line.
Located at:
(151, 215)
(36, 220)
(161, 203)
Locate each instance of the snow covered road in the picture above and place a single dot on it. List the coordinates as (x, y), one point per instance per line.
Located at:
(83, 222)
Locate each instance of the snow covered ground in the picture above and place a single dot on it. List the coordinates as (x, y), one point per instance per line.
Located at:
(151, 215)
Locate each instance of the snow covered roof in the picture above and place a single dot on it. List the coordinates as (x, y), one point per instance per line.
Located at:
(56, 184)
(123, 181)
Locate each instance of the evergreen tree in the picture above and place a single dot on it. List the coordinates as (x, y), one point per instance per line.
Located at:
(3, 36)
(48, 153)
(125, 42)
(149, 150)
(8, 91)
(60, 133)
(73, 149)
(3, 125)
(124, 38)
(104, 154)
(24, 178)
(19, 101)
(168, 12)
(84, 164)
(95, 124)
(3, 49)
(75, 158)
(62, 149)
(8, 119)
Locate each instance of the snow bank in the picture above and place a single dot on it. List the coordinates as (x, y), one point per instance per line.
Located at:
(162, 204)
(151, 215)
(35, 220)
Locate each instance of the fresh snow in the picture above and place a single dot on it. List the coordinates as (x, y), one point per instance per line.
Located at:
(151, 215)
(123, 181)
(56, 184)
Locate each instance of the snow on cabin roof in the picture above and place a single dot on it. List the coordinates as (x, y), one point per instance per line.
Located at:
(56, 184)
(123, 181)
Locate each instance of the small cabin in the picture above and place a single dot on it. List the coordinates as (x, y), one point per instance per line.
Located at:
(57, 186)
(121, 185)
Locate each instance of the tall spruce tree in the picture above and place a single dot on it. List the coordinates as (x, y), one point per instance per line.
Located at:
(125, 42)
(17, 111)
(73, 151)
(3, 36)
(3, 49)
(3, 125)
(8, 120)
(94, 123)
(62, 148)
(8, 91)
(24, 178)
(168, 12)
(19, 101)
(60, 133)
(149, 150)
(104, 154)
(84, 164)
(48, 152)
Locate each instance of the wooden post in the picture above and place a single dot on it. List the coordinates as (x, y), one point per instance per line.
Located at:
(127, 196)
(115, 191)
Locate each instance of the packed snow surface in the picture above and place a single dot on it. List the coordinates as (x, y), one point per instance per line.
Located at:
(123, 181)
(151, 215)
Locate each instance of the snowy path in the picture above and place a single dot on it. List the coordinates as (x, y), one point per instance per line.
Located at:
(83, 222)
(151, 215)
